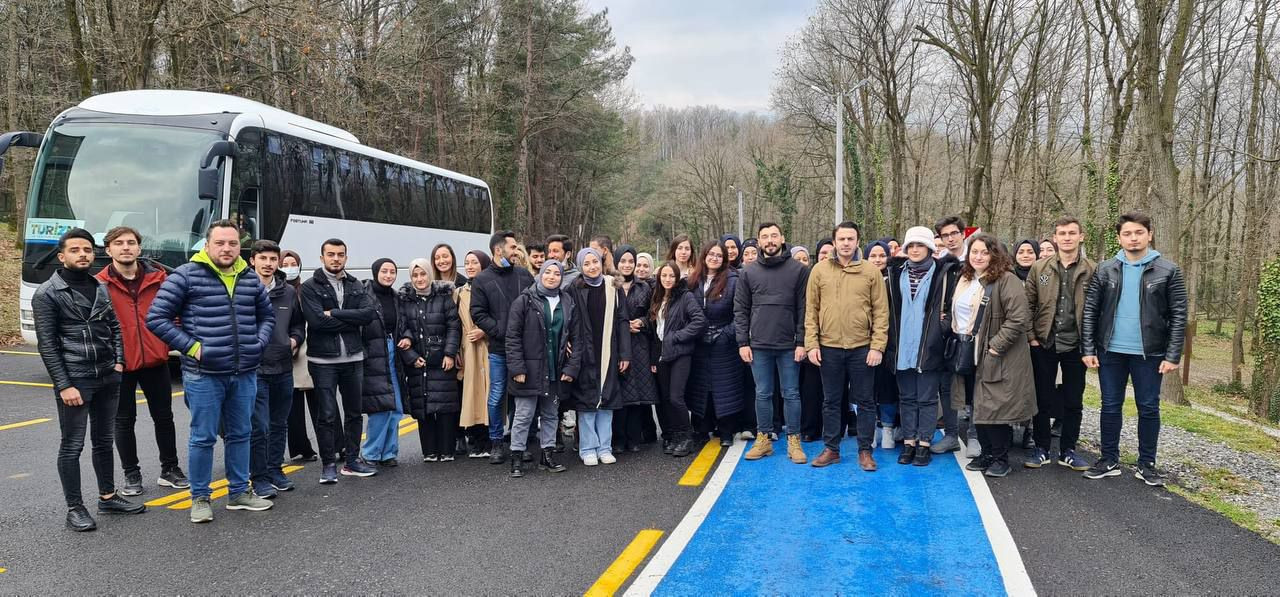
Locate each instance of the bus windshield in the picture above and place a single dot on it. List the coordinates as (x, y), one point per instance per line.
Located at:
(99, 175)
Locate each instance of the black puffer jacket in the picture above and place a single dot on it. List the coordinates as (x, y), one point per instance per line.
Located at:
(492, 293)
(1162, 306)
(768, 306)
(684, 325)
(526, 338)
(941, 288)
(78, 339)
(638, 384)
(342, 322)
(433, 328)
(378, 393)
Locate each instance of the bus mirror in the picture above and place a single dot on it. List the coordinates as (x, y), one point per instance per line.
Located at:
(209, 179)
(18, 139)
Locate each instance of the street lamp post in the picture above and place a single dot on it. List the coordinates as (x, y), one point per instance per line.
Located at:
(840, 143)
(733, 188)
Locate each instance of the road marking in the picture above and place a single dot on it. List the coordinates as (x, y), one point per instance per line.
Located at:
(23, 424)
(648, 578)
(222, 490)
(701, 465)
(20, 352)
(1012, 570)
(3, 570)
(620, 570)
(20, 476)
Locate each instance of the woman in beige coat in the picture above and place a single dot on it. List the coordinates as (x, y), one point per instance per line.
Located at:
(1004, 392)
(473, 368)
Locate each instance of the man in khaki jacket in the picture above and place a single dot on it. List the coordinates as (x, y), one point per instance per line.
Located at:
(1055, 292)
(846, 328)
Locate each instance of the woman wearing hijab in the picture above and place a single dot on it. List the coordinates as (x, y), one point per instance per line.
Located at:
(823, 249)
(801, 254)
(1025, 255)
(430, 335)
(716, 398)
(304, 399)
(540, 331)
(644, 267)
(604, 335)
(639, 389)
(886, 385)
(733, 248)
(750, 251)
(381, 389)
(473, 368)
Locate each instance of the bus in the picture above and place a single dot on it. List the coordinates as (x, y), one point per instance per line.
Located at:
(169, 163)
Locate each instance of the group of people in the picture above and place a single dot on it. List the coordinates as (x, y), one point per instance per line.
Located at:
(607, 348)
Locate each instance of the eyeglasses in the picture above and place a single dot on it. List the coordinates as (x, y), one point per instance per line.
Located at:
(714, 256)
(951, 234)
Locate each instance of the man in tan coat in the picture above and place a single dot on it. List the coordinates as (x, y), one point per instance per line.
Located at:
(1055, 293)
(846, 328)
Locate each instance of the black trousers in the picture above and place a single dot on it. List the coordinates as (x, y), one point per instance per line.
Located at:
(673, 378)
(995, 441)
(628, 424)
(438, 433)
(155, 385)
(97, 416)
(346, 379)
(846, 370)
(305, 401)
(1065, 403)
(712, 422)
(811, 399)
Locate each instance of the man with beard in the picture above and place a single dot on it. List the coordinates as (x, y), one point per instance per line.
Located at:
(769, 325)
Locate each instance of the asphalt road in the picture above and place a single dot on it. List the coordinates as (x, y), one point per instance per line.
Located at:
(465, 528)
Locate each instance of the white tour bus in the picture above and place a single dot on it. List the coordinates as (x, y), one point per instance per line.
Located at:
(168, 163)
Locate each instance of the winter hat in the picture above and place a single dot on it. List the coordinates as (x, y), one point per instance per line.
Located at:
(797, 249)
(922, 235)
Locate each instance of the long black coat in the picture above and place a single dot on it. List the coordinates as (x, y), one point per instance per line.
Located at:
(429, 390)
(638, 384)
(377, 393)
(526, 339)
(590, 392)
(717, 368)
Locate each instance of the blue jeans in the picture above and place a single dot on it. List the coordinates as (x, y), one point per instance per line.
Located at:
(1114, 372)
(270, 427)
(763, 364)
(382, 440)
(497, 387)
(214, 400)
(595, 432)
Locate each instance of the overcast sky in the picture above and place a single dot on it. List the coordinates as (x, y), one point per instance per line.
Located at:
(704, 52)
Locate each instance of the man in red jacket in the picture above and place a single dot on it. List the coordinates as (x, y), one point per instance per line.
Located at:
(132, 284)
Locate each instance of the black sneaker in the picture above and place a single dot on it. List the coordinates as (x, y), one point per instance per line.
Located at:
(1148, 474)
(329, 474)
(132, 483)
(908, 454)
(997, 468)
(358, 468)
(923, 456)
(118, 505)
(978, 464)
(667, 447)
(1104, 467)
(78, 520)
(389, 462)
(173, 477)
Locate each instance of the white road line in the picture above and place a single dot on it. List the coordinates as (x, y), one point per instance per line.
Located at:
(653, 573)
(1014, 573)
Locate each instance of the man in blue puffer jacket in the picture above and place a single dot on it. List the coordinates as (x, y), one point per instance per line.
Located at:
(226, 320)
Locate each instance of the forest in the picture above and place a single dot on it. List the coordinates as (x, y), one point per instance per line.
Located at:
(1009, 112)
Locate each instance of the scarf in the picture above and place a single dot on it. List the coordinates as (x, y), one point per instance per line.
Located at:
(623, 250)
(599, 279)
(916, 271)
(423, 264)
(542, 288)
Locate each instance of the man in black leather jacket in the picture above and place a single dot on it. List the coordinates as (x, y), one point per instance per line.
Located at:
(1135, 316)
(81, 346)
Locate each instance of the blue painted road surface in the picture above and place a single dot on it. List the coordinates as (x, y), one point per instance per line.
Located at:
(781, 528)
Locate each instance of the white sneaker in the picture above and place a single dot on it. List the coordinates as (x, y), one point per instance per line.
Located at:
(607, 458)
(972, 449)
(747, 435)
(886, 438)
(590, 460)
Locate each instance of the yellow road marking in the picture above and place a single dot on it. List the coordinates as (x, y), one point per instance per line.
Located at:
(620, 570)
(698, 469)
(23, 424)
(3, 570)
(20, 476)
(20, 352)
(221, 490)
(403, 423)
(410, 428)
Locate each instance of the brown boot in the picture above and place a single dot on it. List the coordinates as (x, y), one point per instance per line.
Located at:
(763, 447)
(794, 451)
(828, 456)
(866, 461)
